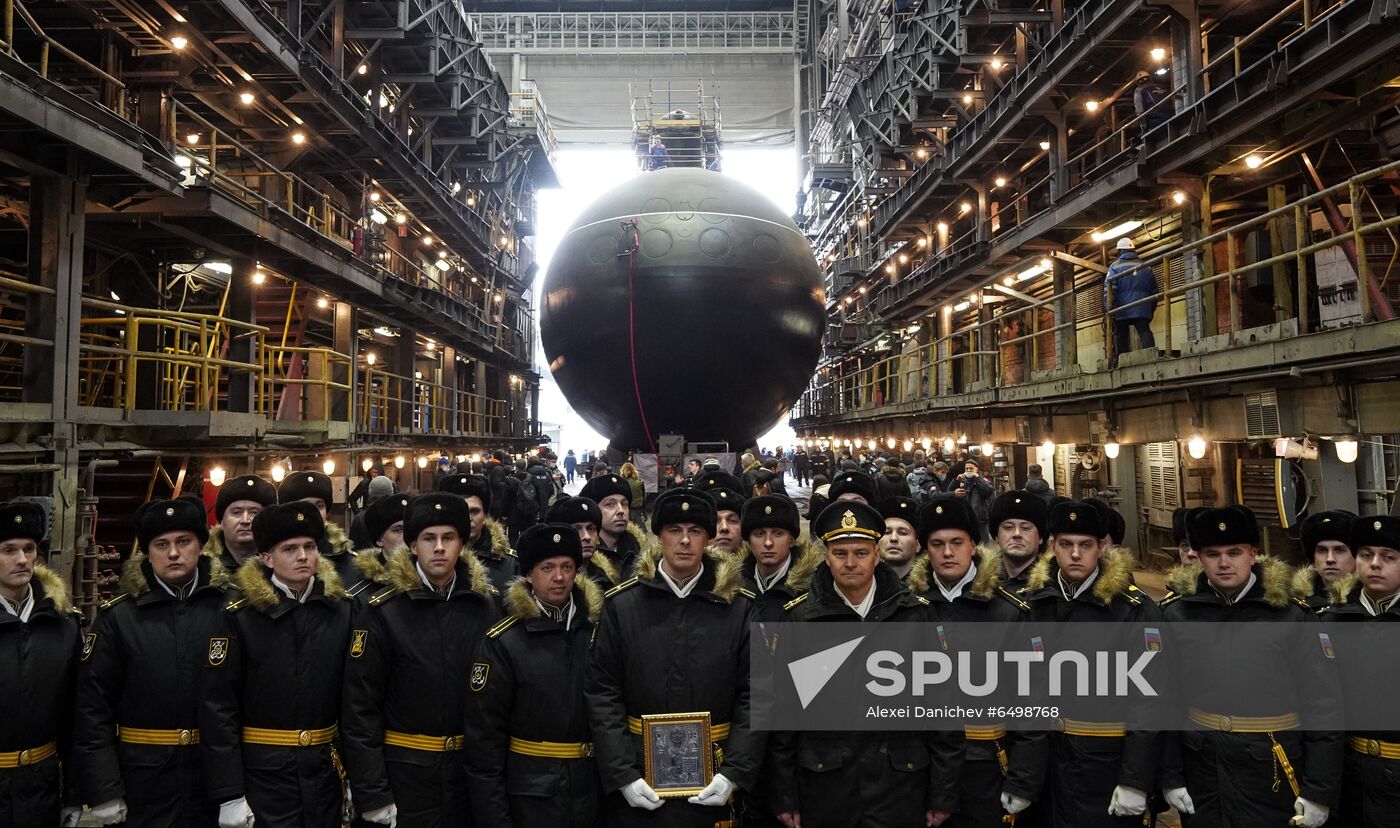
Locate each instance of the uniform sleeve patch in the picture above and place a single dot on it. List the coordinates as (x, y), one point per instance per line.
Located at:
(1326, 641)
(218, 651)
(89, 644)
(357, 644)
(481, 671)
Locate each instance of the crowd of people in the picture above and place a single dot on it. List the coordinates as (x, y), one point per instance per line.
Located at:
(438, 667)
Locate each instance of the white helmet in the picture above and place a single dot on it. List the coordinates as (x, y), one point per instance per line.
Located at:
(1126, 243)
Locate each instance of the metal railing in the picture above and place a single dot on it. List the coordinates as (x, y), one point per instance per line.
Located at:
(158, 360)
(109, 90)
(394, 404)
(301, 385)
(979, 351)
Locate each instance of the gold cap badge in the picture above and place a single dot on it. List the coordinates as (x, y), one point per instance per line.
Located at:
(250, 481)
(1376, 525)
(1074, 516)
(848, 520)
(938, 510)
(556, 537)
(1222, 526)
(301, 516)
(171, 513)
(437, 506)
(310, 478)
(685, 507)
(767, 510)
(19, 519)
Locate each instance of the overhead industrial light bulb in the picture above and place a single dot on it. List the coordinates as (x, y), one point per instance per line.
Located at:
(1111, 449)
(329, 466)
(1196, 446)
(1346, 449)
(216, 476)
(279, 472)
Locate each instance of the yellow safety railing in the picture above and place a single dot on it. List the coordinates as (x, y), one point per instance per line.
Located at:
(118, 341)
(976, 348)
(301, 385)
(394, 404)
(231, 166)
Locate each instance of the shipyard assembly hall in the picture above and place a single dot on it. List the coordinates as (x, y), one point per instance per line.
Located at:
(460, 413)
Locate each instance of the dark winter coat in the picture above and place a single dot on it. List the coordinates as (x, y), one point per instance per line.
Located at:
(1129, 280)
(405, 672)
(492, 548)
(282, 669)
(38, 663)
(530, 687)
(145, 669)
(1085, 769)
(658, 653)
(1231, 775)
(1025, 753)
(871, 779)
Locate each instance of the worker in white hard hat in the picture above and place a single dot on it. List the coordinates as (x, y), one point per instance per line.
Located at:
(1130, 297)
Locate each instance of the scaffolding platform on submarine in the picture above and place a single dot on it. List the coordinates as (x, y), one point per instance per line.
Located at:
(687, 119)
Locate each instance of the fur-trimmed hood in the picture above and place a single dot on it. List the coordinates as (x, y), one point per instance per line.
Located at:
(404, 575)
(134, 581)
(1115, 574)
(1341, 590)
(726, 567)
(254, 581)
(520, 602)
(806, 557)
(499, 546)
(1305, 583)
(339, 541)
(54, 589)
(1275, 576)
(600, 561)
(1181, 579)
(638, 534)
(369, 563)
(984, 583)
(215, 545)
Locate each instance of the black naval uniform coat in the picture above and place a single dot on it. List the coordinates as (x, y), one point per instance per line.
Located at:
(281, 669)
(406, 672)
(601, 569)
(628, 553)
(492, 549)
(657, 653)
(342, 554)
(1016, 762)
(371, 574)
(1370, 781)
(527, 684)
(38, 663)
(769, 603)
(877, 779)
(1085, 769)
(144, 670)
(1309, 588)
(1229, 775)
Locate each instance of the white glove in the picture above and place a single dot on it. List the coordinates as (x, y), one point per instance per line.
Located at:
(1013, 804)
(109, 813)
(236, 814)
(640, 795)
(388, 815)
(1309, 814)
(69, 816)
(716, 793)
(1127, 801)
(1180, 799)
